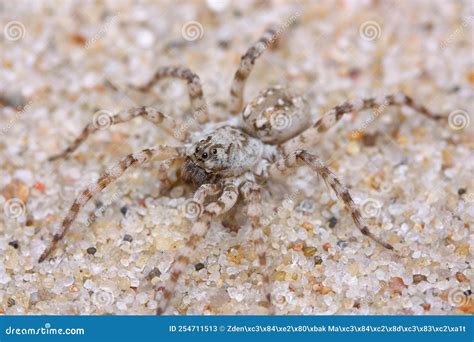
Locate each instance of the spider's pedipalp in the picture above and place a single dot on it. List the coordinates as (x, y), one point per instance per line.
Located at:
(138, 158)
(330, 118)
(224, 203)
(196, 95)
(332, 181)
(246, 65)
(169, 124)
(206, 190)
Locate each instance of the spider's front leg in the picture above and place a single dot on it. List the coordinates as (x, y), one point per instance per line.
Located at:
(196, 96)
(252, 194)
(169, 124)
(138, 158)
(332, 117)
(224, 203)
(246, 65)
(331, 180)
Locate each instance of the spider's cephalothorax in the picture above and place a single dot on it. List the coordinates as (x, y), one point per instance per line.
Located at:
(224, 152)
(229, 161)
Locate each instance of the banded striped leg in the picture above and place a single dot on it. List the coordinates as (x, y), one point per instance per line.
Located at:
(246, 65)
(151, 114)
(196, 96)
(167, 172)
(252, 194)
(330, 118)
(205, 191)
(225, 202)
(331, 180)
(134, 159)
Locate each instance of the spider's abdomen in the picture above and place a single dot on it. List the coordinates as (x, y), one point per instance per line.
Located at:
(276, 115)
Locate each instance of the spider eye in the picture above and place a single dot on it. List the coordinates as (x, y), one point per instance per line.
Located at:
(214, 151)
(197, 150)
(204, 155)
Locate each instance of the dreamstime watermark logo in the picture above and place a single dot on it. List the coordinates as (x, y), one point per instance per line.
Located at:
(192, 30)
(456, 32)
(370, 30)
(14, 30)
(280, 120)
(457, 297)
(458, 119)
(370, 208)
(287, 203)
(24, 110)
(192, 209)
(183, 130)
(282, 29)
(14, 208)
(102, 297)
(46, 330)
(100, 211)
(374, 115)
(102, 119)
(102, 32)
(469, 198)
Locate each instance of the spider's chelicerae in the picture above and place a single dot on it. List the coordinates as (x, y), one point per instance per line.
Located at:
(230, 161)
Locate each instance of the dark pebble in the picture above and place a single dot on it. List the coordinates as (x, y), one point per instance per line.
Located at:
(11, 302)
(199, 266)
(91, 250)
(342, 244)
(332, 222)
(461, 191)
(14, 244)
(468, 293)
(127, 237)
(369, 140)
(124, 210)
(418, 278)
(223, 44)
(29, 221)
(153, 273)
(318, 260)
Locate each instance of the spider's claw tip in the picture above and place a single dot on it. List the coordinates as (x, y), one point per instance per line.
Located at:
(41, 258)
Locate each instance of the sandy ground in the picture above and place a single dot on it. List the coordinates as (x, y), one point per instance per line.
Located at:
(411, 176)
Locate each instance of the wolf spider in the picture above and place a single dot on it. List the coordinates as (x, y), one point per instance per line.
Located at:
(231, 161)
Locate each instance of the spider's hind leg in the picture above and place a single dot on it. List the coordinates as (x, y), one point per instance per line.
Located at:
(252, 193)
(105, 180)
(223, 204)
(332, 117)
(332, 181)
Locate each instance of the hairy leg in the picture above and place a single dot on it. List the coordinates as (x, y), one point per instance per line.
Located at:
(252, 194)
(105, 180)
(196, 95)
(331, 180)
(246, 65)
(225, 202)
(205, 191)
(148, 113)
(330, 118)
